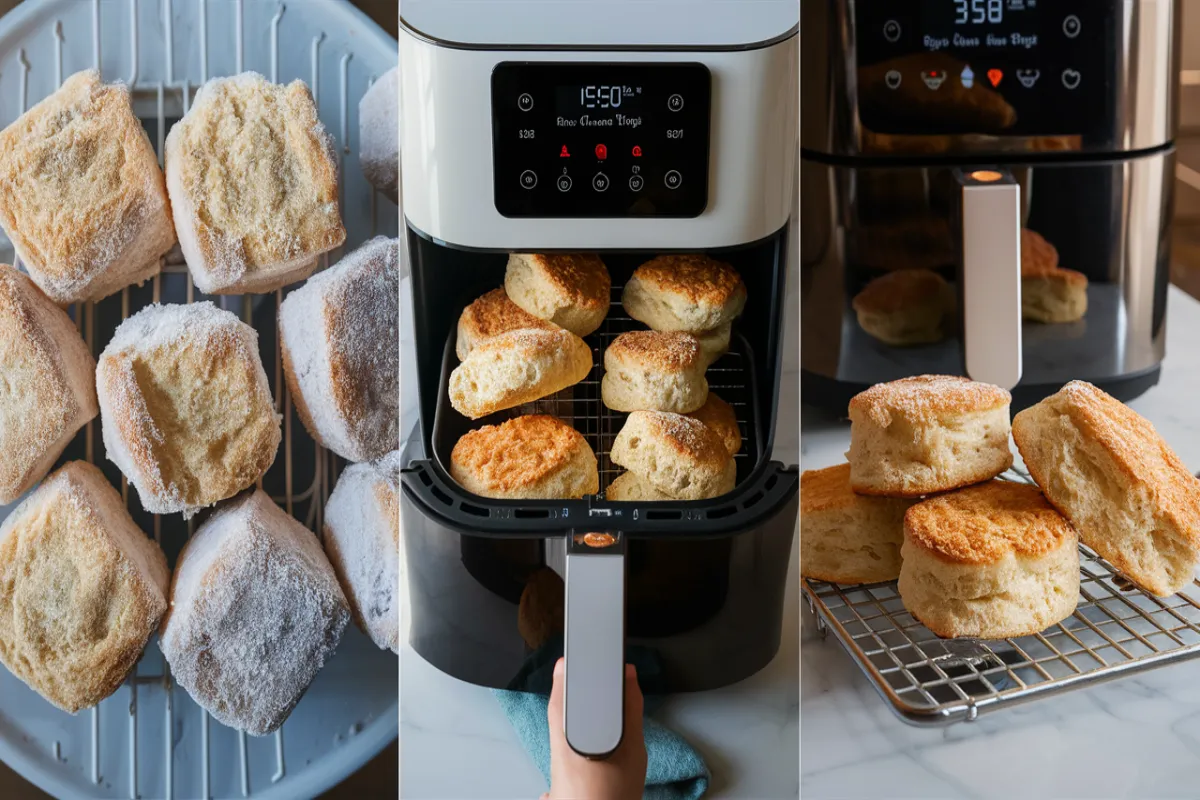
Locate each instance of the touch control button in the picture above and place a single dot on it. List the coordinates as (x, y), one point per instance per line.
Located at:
(1072, 26)
(600, 182)
(636, 183)
(672, 179)
(1071, 78)
(891, 30)
(525, 101)
(528, 179)
(675, 102)
(564, 183)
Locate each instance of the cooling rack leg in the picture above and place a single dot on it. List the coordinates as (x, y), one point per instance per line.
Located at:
(822, 628)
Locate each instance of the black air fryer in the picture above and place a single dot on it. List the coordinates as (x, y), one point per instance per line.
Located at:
(669, 136)
(959, 137)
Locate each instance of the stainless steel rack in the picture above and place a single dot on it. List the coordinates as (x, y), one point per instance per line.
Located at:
(1117, 630)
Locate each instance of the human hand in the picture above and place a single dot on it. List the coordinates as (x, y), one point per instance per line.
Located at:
(621, 776)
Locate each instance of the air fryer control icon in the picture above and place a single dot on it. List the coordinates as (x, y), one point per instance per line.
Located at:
(1028, 77)
(892, 78)
(891, 30)
(968, 77)
(933, 78)
(1070, 78)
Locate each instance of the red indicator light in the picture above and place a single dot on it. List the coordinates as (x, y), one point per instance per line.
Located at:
(564, 153)
(995, 76)
(601, 151)
(637, 150)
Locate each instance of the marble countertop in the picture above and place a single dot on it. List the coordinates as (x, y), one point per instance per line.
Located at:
(456, 743)
(1137, 737)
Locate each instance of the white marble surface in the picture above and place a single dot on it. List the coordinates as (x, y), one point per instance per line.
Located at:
(1138, 737)
(456, 743)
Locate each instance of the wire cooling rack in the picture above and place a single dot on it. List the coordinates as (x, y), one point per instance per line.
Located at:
(1116, 630)
(150, 740)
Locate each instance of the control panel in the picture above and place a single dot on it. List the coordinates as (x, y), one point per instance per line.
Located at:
(600, 139)
(996, 67)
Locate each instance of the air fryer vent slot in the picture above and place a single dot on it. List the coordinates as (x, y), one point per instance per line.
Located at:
(474, 511)
(663, 514)
(440, 495)
(531, 513)
(724, 511)
(752, 499)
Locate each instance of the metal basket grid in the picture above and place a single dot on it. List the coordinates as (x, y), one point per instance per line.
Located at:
(1116, 630)
(581, 407)
(303, 474)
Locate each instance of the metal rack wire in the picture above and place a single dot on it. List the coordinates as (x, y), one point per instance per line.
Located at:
(1116, 630)
(581, 407)
(303, 474)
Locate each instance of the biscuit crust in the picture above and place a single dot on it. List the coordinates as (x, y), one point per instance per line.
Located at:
(253, 183)
(517, 367)
(572, 290)
(491, 315)
(81, 195)
(721, 418)
(530, 457)
(684, 292)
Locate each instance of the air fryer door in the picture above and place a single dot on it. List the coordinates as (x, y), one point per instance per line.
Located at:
(879, 241)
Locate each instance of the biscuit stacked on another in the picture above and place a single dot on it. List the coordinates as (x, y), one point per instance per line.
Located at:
(1107, 470)
(1049, 293)
(654, 371)
(674, 455)
(572, 290)
(517, 367)
(690, 293)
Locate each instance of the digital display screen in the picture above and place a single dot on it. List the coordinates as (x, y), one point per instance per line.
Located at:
(996, 67)
(598, 139)
(575, 99)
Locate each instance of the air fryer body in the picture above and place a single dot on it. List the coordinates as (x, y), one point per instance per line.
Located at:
(502, 153)
(1074, 100)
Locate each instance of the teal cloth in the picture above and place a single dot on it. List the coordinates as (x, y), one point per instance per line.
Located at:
(674, 770)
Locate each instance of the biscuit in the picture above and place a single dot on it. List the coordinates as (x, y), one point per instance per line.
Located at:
(256, 611)
(846, 537)
(186, 409)
(81, 589)
(905, 308)
(362, 539)
(721, 418)
(534, 457)
(81, 196)
(1037, 255)
(926, 434)
(1055, 296)
(689, 293)
(990, 562)
(541, 608)
(253, 184)
(338, 337)
(677, 455)
(654, 371)
(714, 343)
(491, 315)
(517, 367)
(629, 486)
(572, 290)
(47, 383)
(379, 134)
(1109, 472)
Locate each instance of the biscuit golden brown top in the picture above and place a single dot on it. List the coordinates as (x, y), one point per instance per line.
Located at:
(1038, 256)
(580, 276)
(921, 395)
(689, 437)
(662, 350)
(983, 524)
(258, 170)
(516, 453)
(720, 416)
(1136, 448)
(899, 291)
(494, 313)
(78, 178)
(826, 489)
(700, 279)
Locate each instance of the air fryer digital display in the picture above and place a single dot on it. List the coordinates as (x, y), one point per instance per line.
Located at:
(996, 67)
(600, 140)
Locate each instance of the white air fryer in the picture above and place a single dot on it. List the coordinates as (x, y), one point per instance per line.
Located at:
(632, 129)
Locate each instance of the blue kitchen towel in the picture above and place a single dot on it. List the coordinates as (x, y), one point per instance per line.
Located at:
(674, 770)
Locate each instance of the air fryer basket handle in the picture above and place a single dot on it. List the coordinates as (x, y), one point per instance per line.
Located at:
(990, 274)
(594, 698)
